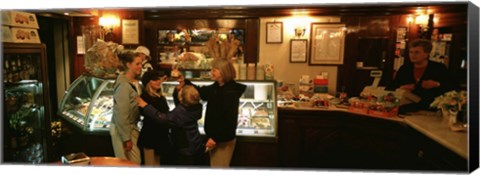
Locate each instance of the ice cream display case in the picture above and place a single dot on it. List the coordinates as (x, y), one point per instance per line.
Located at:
(257, 113)
(88, 103)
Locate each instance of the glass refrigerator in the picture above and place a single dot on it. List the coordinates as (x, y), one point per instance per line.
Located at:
(26, 104)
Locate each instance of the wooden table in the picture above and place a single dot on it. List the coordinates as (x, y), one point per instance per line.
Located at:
(109, 161)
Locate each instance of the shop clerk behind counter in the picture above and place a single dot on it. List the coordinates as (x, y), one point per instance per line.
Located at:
(424, 78)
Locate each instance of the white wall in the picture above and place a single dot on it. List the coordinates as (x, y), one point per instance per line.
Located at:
(279, 54)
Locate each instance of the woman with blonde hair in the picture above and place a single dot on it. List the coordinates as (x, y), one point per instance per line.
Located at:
(153, 137)
(223, 98)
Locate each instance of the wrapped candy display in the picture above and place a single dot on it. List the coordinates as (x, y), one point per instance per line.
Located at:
(384, 106)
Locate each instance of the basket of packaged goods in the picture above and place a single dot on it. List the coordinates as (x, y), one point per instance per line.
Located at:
(385, 106)
(358, 105)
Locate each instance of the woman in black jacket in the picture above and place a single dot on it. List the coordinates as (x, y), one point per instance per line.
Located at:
(422, 77)
(153, 137)
(223, 98)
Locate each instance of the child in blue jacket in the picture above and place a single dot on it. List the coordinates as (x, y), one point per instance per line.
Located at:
(185, 135)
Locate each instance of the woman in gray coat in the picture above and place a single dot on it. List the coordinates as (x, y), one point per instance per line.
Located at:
(123, 130)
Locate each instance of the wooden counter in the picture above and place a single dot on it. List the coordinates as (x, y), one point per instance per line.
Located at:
(340, 139)
(427, 123)
(436, 128)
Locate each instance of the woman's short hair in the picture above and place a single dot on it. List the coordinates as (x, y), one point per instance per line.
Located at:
(424, 43)
(189, 96)
(226, 69)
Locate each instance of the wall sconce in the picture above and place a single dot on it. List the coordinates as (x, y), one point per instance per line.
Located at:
(299, 31)
(422, 21)
(107, 24)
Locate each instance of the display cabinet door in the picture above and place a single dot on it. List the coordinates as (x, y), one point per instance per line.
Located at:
(101, 108)
(26, 118)
(88, 103)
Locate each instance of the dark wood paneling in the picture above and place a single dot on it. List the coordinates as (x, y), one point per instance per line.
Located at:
(378, 32)
(252, 40)
(76, 30)
(372, 9)
(255, 154)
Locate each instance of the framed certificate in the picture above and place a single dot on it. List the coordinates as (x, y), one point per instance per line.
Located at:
(298, 50)
(274, 32)
(130, 31)
(80, 45)
(327, 43)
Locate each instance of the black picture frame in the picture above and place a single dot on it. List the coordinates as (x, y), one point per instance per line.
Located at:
(274, 34)
(298, 50)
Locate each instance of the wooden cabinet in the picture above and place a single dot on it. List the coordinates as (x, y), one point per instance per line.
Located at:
(433, 156)
(255, 154)
(342, 140)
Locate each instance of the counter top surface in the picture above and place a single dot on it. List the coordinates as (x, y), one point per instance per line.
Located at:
(427, 123)
(436, 128)
(333, 108)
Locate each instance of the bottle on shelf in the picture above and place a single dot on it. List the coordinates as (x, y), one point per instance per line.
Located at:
(32, 69)
(20, 69)
(14, 69)
(6, 70)
(25, 73)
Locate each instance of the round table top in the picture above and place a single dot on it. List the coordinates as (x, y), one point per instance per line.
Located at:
(109, 161)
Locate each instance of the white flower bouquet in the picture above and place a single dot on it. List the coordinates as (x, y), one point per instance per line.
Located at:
(451, 101)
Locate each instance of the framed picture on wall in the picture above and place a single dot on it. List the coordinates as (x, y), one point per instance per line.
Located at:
(298, 50)
(274, 32)
(327, 43)
(130, 31)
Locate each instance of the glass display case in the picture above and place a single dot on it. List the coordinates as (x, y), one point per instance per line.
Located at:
(88, 103)
(26, 105)
(257, 114)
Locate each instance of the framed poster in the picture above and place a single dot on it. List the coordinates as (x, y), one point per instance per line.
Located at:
(130, 31)
(327, 43)
(274, 32)
(80, 45)
(298, 50)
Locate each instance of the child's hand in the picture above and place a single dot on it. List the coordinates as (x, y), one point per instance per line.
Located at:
(140, 102)
(210, 144)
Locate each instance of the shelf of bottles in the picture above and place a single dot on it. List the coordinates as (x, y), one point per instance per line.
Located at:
(20, 68)
(23, 117)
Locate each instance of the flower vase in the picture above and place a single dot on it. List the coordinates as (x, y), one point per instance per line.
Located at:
(450, 116)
